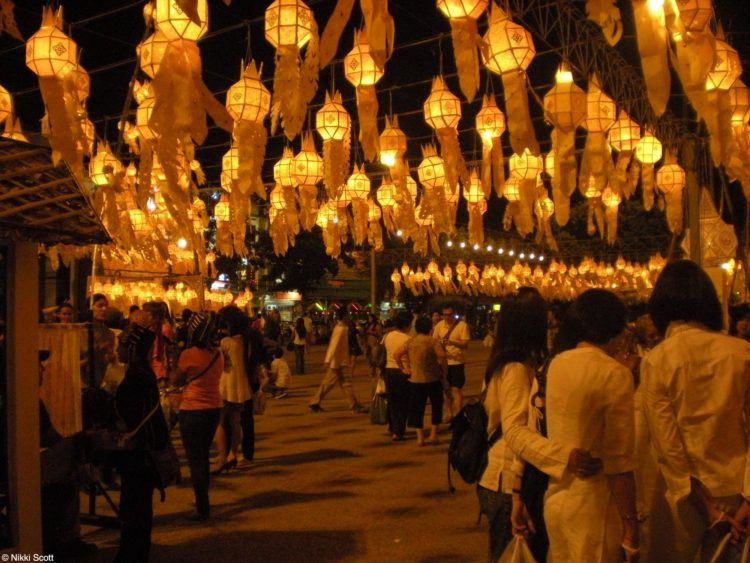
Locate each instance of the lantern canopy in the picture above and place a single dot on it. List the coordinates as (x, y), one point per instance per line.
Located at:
(509, 47)
(442, 109)
(332, 122)
(175, 23)
(248, 99)
(359, 67)
(151, 52)
(288, 23)
(49, 52)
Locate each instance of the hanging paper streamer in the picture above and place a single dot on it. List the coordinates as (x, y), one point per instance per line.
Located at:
(431, 173)
(525, 168)
(606, 15)
(329, 41)
(333, 124)
(671, 179)
(594, 213)
(425, 238)
(379, 28)
(611, 201)
(355, 193)
(240, 206)
(596, 162)
(544, 208)
(463, 15)
(623, 137)
(374, 230)
(223, 216)
(508, 50)
(360, 69)
(490, 125)
(477, 205)
(565, 108)
(652, 46)
(308, 173)
(648, 152)
(517, 213)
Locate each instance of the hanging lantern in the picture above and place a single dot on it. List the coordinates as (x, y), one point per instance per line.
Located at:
(490, 121)
(359, 66)
(288, 23)
(525, 166)
(362, 72)
(139, 222)
(739, 100)
(277, 199)
(374, 213)
(411, 187)
(431, 170)
(142, 118)
(624, 133)
(333, 124)
(600, 109)
(648, 151)
(248, 99)
(49, 52)
(392, 142)
(512, 189)
(544, 208)
(477, 205)
(726, 69)
(358, 185)
(671, 180)
(386, 194)
(308, 166)
(463, 16)
(230, 163)
(222, 209)
(451, 198)
(150, 53)
(442, 112)
(283, 170)
(103, 165)
(600, 116)
(611, 201)
(423, 221)
(490, 125)
(695, 14)
(473, 192)
(6, 104)
(175, 23)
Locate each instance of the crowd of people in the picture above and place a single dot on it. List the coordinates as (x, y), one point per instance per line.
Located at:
(612, 434)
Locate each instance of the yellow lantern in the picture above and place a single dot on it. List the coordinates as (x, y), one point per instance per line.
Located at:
(544, 208)
(332, 122)
(512, 189)
(359, 67)
(6, 104)
(151, 52)
(142, 118)
(386, 194)
(49, 52)
(222, 211)
(565, 104)
(727, 67)
(308, 166)
(610, 198)
(695, 14)
(510, 47)
(739, 100)
(431, 170)
(139, 221)
(462, 8)
(327, 214)
(102, 164)
(283, 170)
(525, 166)
(442, 109)
(649, 149)
(174, 23)
(490, 121)
(423, 220)
(671, 178)
(278, 202)
(288, 23)
(473, 192)
(600, 109)
(230, 163)
(592, 191)
(392, 142)
(248, 99)
(358, 185)
(624, 134)
(411, 187)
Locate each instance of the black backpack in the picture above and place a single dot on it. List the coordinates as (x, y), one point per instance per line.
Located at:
(470, 444)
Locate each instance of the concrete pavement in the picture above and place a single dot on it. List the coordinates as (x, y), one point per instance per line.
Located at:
(325, 487)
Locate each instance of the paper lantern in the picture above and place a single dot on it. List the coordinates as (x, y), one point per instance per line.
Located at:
(473, 193)
(174, 23)
(151, 52)
(288, 23)
(525, 166)
(139, 221)
(649, 149)
(49, 52)
(248, 99)
(283, 170)
(359, 67)
(308, 165)
(509, 47)
(671, 178)
(611, 198)
(102, 164)
(358, 185)
(222, 211)
(442, 109)
(327, 214)
(695, 14)
(462, 8)
(423, 221)
(601, 110)
(565, 104)
(230, 163)
(739, 100)
(490, 121)
(411, 187)
(332, 122)
(392, 142)
(142, 118)
(512, 189)
(278, 202)
(727, 67)
(431, 170)
(386, 194)
(6, 104)
(544, 208)
(624, 133)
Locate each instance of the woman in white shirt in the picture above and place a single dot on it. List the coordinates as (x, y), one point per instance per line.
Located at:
(696, 387)
(590, 405)
(397, 386)
(520, 347)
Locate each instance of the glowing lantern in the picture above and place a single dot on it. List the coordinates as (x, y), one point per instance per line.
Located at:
(411, 187)
(423, 220)
(332, 122)
(139, 222)
(248, 99)
(695, 14)
(611, 198)
(490, 121)
(308, 166)
(151, 52)
(327, 214)
(230, 163)
(592, 191)
(525, 166)
(6, 104)
(727, 67)
(277, 199)
(474, 193)
(222, 211)
(451, 197)
(392, 142)
(624, 134)
(386, 194)
(431, 170)
(358, 185)
(544, 208)
(442, 109)
(509, 47)
(739, 100)
(462, 8)
(600, 109)
(671, 178)
(102, 164)
(512, 189)
(174, 23)
(49, 52)
(649, 149)
(359, 67)
(283, 170)
(565, 104)
(142, 118)
(288, 23)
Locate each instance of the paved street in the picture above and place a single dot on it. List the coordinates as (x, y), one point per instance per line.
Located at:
(325, 487)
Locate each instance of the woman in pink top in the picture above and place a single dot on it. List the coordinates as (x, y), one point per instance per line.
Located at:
(199, 369)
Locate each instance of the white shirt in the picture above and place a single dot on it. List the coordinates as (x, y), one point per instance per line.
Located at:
(281, 370)
(508, 403)
(298, 341)
(393, 342)
(460, 332)
(696, 387)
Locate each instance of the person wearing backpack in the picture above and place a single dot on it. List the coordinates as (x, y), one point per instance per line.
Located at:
(519, 349)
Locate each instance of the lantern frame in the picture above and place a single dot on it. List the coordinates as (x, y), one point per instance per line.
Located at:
(360, 67)
(50, 52)
(151, 52)
(175, 24)
(248, 99)
(288, 23)
(333, 122)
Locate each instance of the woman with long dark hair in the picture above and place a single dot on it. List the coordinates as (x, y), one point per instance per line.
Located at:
(299, 340)
(589, 404)
(519, 349)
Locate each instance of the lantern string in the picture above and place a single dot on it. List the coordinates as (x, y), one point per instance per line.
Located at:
(249, 51)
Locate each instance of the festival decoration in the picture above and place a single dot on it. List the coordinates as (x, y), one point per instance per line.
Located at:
(176, 23)
(611, 201)
(606, 15)
(695, 14)
(328, 220)
(379, 28)
(6, 104)
(333, 124)
(308, 173)
(431, 173)
(596, 162)
(651, 33)
(623, 137)
(363, 73)
(594, 213)
(386, 198)
(355, 193)
(671, 180)
(374, 231)
(477, 204)
(150, 53)
(648, 151)
(490, 125)
(544, 208)
(463, 15)
(718, 239)
(508, 52)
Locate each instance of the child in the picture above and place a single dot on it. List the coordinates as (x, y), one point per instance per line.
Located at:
(279, 377)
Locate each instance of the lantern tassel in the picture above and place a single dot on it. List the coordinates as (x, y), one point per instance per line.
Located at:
(450, 152)
(674, 211)
(520, 126)
(379, 28)
(329, 42)
(308, 202)
(375, 236)
(564, 180)
(64, 134)
(611, 217)
(647, 184)
(476, 224)
(596, 162)
(498, 167)
(286, 91)
(250, 141)
(360, 211)
(367, 110)
(652, 46)
(466, 40)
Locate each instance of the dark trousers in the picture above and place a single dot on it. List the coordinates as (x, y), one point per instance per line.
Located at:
(398, 391)
(420, 392)
(247, 422)
(60, 509)
(299, 359)
(136, 509)
(197, 428)
(497, 507)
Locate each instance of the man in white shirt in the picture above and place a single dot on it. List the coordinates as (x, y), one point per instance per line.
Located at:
(696, 388)
(454, 335)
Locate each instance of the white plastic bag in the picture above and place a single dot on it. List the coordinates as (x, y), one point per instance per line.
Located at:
(380, 386)
(517, 552)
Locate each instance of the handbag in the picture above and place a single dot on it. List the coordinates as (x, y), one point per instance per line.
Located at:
(167, 467)
(379, 409)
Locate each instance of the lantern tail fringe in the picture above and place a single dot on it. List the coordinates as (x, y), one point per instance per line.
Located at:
(476, 224)
(674, 211)
(308, 203)
(360, 210)
(290, 211)
(466, 41)
(145, 166)
(240, 206)
(224, 238)
(486, 170)
(336, 156)
(564, 180)
(420, 241)
(652, 46)
(498, 167)
(375, 235)
(525, 218)
(692, 61)
(367, 111)
(634, 175)
(250, 140)
(511, 210)
(389, 219)
(329, 41)
(64, 130)
(396, 286)
(308, 78)
(619, 178)
(606, 15)
(520, 126)
(611, 217)
(647, 184)
(286, 91)
(450, 152)
(434, 244)
(332, 239)
(379, 28)
(596, 162)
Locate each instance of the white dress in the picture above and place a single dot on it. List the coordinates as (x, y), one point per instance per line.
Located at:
(234, 385)
(589, 406)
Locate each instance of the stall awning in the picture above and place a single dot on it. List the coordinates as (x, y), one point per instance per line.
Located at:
(43, 202)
